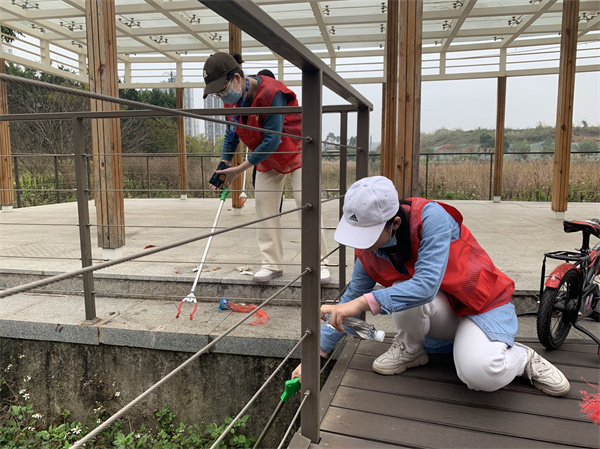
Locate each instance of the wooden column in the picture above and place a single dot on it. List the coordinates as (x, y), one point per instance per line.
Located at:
(235, 45)
(409, 97)
(181, 145)
(499, 146)
(564, 113)
(106, 133)
(7, 196)
(389, 122)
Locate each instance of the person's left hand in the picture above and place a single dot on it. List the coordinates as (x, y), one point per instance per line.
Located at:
(340, 311)
(230, 173)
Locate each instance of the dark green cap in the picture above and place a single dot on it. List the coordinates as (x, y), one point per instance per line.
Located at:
(216, 68)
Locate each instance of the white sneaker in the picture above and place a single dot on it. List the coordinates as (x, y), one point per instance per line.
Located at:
(397, 359)
(325, 276)
(265, 275)
(544, 375)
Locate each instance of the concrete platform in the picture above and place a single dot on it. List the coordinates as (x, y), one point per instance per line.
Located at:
(137, 300)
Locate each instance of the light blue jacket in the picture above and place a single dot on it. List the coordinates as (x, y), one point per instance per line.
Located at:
(438, 231)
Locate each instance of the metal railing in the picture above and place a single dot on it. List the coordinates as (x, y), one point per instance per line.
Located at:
(310, 223)
(146, 181)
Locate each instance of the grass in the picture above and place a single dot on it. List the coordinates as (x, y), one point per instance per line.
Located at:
(463, 177)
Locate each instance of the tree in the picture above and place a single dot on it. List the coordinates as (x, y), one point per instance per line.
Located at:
(486, 141)
(8, 34)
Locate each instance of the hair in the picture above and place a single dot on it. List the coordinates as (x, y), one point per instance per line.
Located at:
(266, 72)
(403, 243)
(237, 57)
(238, 70)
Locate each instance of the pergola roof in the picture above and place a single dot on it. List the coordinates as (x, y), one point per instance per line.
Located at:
(169, 40)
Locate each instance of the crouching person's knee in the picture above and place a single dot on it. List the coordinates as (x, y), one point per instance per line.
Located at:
(481, 373)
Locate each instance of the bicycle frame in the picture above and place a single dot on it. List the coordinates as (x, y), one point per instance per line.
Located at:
(587, 264)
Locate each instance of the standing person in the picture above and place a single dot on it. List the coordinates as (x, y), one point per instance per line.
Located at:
(440, 285)
(273, 156)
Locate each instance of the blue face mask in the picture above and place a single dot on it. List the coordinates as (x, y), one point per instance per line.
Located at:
(392, 241)
(231, 97)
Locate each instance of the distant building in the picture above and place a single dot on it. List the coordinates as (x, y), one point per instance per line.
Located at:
(213, 130)
(192, 126)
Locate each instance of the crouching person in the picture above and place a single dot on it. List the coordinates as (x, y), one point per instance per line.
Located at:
(441, 289)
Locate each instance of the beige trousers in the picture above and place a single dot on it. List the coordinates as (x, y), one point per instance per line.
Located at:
(269, 186)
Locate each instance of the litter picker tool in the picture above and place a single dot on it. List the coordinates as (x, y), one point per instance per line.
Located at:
(291, 388)
(191, 297)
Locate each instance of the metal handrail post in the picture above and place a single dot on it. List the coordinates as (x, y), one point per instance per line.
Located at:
(56, 183)
(491, 174)
(362, 141)
(426, 174)
(312, 98)
(148, 176)
(17, 181)
(343, 184)
(83, 214)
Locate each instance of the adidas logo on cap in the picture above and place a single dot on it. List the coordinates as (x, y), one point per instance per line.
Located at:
(353, 218)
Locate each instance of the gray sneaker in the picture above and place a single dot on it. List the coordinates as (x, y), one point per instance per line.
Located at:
(397, 359)
(265, 275)
(544, 375)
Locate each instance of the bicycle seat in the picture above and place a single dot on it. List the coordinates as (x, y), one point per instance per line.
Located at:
(591, 226)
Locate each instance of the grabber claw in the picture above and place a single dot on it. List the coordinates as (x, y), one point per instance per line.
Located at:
(188, 298)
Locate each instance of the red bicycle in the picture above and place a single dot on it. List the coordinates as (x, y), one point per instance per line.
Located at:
(572, 291)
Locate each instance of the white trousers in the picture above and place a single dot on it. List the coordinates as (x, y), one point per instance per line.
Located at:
(480, 363)
(269, 186)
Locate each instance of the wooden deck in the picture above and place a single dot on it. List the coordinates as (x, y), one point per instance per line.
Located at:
(429, 407)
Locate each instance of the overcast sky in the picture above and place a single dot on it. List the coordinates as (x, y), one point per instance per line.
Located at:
(469, 104)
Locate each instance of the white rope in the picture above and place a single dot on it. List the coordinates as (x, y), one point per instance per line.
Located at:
(260, 390)
(117, 415)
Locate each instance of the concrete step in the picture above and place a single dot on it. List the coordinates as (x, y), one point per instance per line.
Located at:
(167, 288)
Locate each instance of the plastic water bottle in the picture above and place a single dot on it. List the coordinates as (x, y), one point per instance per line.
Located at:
(359, 328)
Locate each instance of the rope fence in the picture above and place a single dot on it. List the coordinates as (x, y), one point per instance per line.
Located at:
(122, 411)
(137, 104)
(150, 251)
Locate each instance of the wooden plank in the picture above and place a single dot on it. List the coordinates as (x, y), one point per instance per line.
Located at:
(106, 134)
(337, 373)
(586, 355)
(433, 370)
(235, 45)
(418, 57)
(564, 113)
(335, 441)
(532, 401)
(181, 143)
(6, 177)
(499, 142)
(401, 114)
(389, 142)
(407, 8)
(388, 429)
(494, 421)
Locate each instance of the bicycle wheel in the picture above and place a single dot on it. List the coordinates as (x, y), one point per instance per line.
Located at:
(558, 310)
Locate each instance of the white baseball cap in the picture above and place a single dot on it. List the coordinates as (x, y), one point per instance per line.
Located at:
(369, 203)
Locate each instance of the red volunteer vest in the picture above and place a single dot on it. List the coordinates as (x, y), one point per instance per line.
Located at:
(473, 284)
(288, 156)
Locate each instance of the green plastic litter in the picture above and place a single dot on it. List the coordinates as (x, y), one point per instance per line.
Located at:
(291, 387)
(224, 193)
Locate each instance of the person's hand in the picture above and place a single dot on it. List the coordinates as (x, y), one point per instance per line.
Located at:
(211, 186)
(230, 174)
(297, 373)
(340, 311)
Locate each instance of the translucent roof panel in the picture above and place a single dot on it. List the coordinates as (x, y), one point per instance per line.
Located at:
(460, 37)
